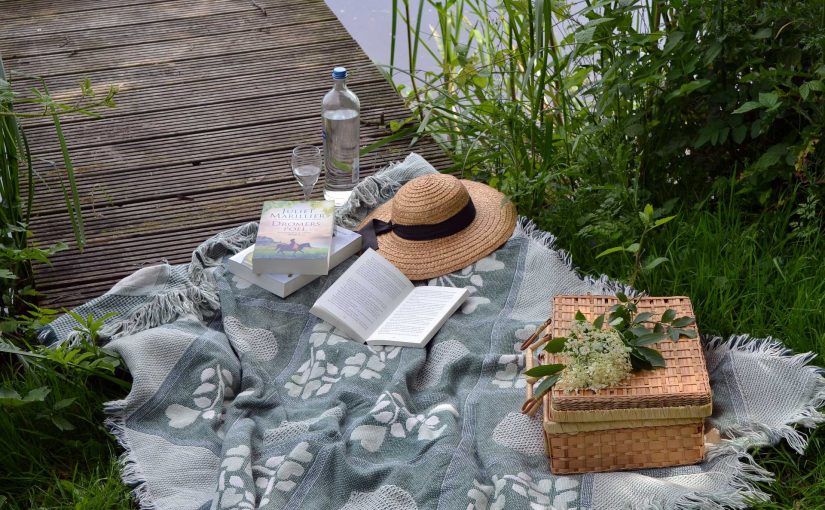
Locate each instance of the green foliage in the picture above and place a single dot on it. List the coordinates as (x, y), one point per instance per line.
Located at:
(649, 221)
(54, 450)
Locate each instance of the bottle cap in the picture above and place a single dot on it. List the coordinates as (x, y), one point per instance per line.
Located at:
(339, 73)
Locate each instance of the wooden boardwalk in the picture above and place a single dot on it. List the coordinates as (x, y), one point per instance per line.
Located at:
(213, 96)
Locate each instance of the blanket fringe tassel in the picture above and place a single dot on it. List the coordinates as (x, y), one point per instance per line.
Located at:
(131, 471)
(808, 414)
(527, 228)
(199, 297)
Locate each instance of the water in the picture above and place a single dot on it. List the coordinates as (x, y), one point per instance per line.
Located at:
(307, 176)
(341, 159)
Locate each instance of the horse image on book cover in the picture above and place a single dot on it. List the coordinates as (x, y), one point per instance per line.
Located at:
(294, 237)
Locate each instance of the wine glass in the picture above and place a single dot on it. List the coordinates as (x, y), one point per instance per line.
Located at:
(306, 167)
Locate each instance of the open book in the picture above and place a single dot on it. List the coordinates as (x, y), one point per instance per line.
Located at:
(374, 302)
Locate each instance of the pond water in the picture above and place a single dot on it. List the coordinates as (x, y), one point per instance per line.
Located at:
(370, 23)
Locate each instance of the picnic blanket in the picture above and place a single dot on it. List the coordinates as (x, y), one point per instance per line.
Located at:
(244, 400)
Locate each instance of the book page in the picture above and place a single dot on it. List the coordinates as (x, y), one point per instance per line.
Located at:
(364, 296)
(419, 316)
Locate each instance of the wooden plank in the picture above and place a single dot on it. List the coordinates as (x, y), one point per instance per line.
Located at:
(73, 43)
(120, 16)
(108, 223)
(38, 8)
(210, 117)
(205, 81)
(100, 162)
(180, 179)
(307, 83)
(176, 50)
(110, 187)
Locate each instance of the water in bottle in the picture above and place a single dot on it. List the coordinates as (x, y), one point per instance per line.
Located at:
(341, 114)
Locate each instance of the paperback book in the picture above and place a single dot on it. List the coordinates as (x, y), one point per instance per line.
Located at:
(373, 302)
(294, 237)
(345, 244)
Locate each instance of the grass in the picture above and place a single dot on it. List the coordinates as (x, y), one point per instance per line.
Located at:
(54, 450)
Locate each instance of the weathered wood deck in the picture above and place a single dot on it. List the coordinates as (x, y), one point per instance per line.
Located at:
(213, 96)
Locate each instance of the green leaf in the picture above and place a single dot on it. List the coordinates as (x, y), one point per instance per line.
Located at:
(769, 100)
(585, 35)
(37, 394)
(544, 370)
(615, 322)
(750, 105)
(655, 262)
(622, 297)
(652, 356)
(10, 394)
(62, 404)
(62, 423)
(687, 88)
(650, 338)
(681, 322)
(639, 362)
(669, 315)
(649, 211)
(609, 251)
(690, 333)
(762, 33)
(580, 316)
(633, 248)
(599, 322)
(555, 345)
(662, 221)
(673, 39)
(545, 385)
(809, 86)
(739, 133)
(642, 317)
(7, 275)
(639, 330)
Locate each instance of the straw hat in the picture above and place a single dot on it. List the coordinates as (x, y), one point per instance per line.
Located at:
(437, 224)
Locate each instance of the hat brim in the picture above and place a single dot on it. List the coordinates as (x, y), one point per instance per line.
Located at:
(493, 225)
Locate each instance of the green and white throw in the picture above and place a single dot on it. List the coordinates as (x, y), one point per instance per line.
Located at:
(245, 400)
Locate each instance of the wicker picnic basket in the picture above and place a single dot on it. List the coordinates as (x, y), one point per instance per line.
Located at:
(654, 419)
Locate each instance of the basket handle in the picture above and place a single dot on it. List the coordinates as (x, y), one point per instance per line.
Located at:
(530, 346)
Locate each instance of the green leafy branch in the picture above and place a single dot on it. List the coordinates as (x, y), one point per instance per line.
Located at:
(636, 249)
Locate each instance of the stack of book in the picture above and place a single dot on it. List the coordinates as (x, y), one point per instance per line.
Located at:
(371, 302)
(297, 243)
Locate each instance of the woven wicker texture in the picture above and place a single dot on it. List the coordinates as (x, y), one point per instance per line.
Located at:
(552, 427)
(431, 199)
(622, 449)
(682, 384)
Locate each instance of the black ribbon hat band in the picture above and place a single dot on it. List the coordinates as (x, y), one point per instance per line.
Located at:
(455, 223)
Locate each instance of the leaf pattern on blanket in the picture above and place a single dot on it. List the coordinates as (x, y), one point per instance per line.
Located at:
(316, 376)
(392, 414)
(509, 376)
(280, 473)
(521, 489)
(209, 399)
(472, 279)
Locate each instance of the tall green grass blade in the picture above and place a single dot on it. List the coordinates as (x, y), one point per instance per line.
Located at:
(393, 33)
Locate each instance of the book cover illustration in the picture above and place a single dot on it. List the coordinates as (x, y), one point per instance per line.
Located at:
(294, 237)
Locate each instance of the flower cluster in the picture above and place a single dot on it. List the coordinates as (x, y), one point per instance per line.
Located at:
(594, 358)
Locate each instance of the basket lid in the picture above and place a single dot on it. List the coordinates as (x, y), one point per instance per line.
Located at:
(680, 390)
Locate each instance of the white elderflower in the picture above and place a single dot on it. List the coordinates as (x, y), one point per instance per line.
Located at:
(594, 359)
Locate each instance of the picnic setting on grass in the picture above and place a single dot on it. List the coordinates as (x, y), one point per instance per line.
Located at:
(413, 335)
